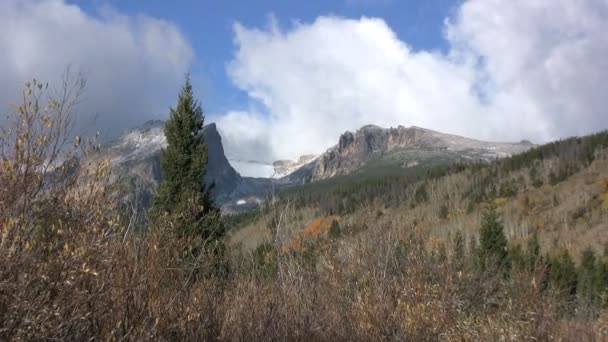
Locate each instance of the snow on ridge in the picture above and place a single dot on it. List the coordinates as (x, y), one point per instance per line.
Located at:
(138, 144)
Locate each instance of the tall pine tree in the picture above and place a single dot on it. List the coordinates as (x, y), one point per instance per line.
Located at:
(182, 195)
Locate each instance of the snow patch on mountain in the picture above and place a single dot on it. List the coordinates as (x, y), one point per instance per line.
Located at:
(137, 144)
(284, 168)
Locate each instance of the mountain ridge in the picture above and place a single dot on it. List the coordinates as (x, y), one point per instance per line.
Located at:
(135, 157)
(355, 150)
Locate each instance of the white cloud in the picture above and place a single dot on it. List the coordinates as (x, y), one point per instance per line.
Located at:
(134, 65)
(515, 69)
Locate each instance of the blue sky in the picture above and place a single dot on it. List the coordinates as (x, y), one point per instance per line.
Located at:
(208, 25)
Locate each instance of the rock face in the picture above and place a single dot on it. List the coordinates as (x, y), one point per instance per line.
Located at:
(408, 146)
(135, 158)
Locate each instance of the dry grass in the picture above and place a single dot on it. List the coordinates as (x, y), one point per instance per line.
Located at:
(369, 289)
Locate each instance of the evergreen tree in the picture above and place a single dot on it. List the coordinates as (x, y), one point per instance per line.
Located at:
(492, 248)
(442, 254)
(182, 194)
(474, 252)
(563, 277)
(589, 282)
(459, 255)
(518, 257)
(533, 257)
(602, 269)
(334, 230)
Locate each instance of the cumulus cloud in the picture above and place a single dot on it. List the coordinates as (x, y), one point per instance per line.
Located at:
(514, 70)
(133, 64)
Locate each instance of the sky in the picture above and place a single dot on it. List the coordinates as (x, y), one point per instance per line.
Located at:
(286, 78)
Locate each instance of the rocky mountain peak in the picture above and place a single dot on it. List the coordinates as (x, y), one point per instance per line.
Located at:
(371, 142)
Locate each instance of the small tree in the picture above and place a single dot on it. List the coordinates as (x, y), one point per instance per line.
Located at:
(182, 195)
(563, 278)
(443, 212)
(459, 254)
(563, 273)
(334, 230)
(492, 242)
(533, 257)
(588, 282)
(473, 250)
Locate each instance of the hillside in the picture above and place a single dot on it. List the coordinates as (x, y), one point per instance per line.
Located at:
(558, 190)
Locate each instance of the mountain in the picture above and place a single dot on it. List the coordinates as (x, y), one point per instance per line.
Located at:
(373, 147)
(135, 159)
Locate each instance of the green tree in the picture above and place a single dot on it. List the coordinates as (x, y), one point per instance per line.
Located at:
(334, 230)
(533, 257)
(563, 274)
(443, 212)
(265, 260)
(589, 281)
(182, 195)
(459, 254)
(473, 251)
(518, 257)
(493, 252)
(563, 278)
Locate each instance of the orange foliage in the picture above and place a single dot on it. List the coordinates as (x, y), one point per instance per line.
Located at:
(319, 227)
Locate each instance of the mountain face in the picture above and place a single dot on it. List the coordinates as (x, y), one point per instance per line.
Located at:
(135, 158)
(373, 146)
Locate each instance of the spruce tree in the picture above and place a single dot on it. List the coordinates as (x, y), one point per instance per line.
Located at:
(533, 257)
(563, 277)
(563, 273)
(182, 195)
(459, 254)
(493, 252)
(589, 282)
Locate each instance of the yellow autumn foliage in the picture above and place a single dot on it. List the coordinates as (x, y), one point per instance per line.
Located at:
(500, 201)
(603, 185)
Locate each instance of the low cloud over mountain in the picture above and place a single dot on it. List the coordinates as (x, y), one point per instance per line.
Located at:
(513, 70)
